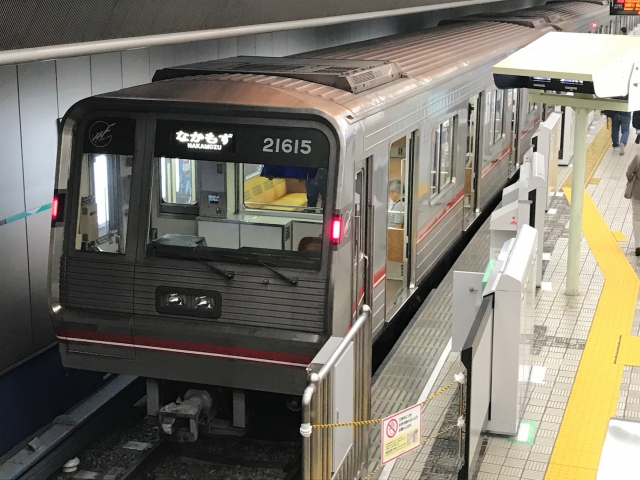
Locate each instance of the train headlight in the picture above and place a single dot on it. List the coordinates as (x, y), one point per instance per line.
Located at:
(174, 300)
(204, 302)
(188, 302)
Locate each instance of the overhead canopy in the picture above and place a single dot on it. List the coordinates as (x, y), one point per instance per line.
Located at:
(561, 61)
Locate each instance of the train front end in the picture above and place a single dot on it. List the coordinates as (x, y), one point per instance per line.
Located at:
(191, 241)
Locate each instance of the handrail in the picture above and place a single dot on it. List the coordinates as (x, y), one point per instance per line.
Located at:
(366, 311)
(320, 407)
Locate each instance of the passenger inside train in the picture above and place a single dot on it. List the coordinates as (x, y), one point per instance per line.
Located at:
(396, 203)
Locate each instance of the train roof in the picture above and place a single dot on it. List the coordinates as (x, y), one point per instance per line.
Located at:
(426, 58)
(563, 14)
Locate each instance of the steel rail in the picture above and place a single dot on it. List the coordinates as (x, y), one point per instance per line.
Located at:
(69, 433)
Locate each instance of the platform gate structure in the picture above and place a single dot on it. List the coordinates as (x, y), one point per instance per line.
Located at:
(318, 408)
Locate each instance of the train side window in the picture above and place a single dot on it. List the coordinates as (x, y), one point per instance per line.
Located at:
(443, 155)
(105, 187)
(490, 117)
(435, 161)
(498, 123)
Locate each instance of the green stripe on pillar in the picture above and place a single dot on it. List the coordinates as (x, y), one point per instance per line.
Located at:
(28, 213)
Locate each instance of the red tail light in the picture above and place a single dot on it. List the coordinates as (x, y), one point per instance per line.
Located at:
(54, 207)
(336, 230)
(57, 207)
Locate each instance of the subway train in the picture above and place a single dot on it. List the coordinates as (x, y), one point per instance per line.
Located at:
(218, 225)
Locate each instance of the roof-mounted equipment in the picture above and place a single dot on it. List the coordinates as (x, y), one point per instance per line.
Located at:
(353, 76)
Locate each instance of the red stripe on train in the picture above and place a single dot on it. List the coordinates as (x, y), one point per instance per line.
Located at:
(489, 166)
(379, 276)
(178, 346)
(424, 231)
(529, 126)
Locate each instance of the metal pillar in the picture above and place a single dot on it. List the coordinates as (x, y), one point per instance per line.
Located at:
(577, 197)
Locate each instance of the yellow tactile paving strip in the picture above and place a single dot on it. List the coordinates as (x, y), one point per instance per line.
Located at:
(629, 353)
(619, 236)
(609, 347)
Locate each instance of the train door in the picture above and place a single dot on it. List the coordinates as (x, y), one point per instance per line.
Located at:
(362, 210)
(472, 161)
(400, 194)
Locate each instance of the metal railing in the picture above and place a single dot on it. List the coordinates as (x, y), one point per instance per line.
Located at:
(317, 409)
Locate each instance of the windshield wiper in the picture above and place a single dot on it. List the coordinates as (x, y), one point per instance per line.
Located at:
(253, 258)
(291, 280)
(249, 257)
(194, 256)
(228, 274)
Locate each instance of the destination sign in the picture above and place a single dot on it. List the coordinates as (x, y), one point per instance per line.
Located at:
(624, 7)
(257, 144)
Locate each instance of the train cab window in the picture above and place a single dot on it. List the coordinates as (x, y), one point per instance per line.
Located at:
(443, 155)
(104, 203)
(104, 186)
(284, 188)
(223, 200)
(177, 180)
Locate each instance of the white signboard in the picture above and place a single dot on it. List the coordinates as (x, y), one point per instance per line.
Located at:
(401, 433)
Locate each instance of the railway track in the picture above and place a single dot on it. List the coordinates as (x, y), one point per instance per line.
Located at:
(169, 461)
(132, 449)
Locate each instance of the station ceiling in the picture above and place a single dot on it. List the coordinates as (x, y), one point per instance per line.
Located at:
(40, 23)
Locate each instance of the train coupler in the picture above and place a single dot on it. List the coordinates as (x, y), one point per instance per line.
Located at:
(180, 421)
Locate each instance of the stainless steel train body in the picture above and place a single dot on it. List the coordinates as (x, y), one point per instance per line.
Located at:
(185, 245)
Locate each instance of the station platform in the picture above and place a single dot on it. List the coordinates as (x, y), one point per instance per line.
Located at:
(586, 366)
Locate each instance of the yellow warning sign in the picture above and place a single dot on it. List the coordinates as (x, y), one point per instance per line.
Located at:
(401, 433)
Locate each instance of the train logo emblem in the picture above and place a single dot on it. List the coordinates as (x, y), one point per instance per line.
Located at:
(100, 134)
(347, 223)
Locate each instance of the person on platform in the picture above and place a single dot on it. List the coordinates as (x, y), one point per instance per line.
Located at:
(619, 128)
(396, 204)
(635, 123)
(632, 193)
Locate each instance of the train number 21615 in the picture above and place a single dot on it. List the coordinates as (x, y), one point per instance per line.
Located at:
(277, 145)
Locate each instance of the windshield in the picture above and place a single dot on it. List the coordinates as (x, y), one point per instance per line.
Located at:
(262, 190)
(104, 185)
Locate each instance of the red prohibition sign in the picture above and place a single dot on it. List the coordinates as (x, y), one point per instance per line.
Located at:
(392, 428)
